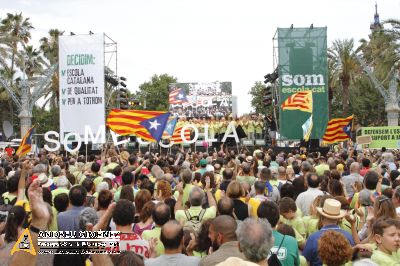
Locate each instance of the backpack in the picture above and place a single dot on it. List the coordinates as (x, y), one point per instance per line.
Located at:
(194, 222)
(273, 259)
(5, 207)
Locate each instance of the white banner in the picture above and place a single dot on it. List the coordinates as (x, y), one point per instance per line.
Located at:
(81, 75)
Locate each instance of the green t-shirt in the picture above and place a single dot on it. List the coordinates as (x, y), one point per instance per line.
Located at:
(297, 223)
(311, 224)
(210, 213)
(288, 254)
(321, 168)
(381, 258)
(156, 233)
(186, 192)
(246, 179)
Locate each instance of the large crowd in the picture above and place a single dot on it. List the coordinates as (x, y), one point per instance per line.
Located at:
(217, 208)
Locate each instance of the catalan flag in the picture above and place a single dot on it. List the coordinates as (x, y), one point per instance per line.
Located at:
(177, 135)
(302, 101)
(127, 122)
(338, 130)
(26, 143)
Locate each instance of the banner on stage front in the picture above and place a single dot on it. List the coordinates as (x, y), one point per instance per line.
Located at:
(388, 137)
(303, 67)
(81, 80)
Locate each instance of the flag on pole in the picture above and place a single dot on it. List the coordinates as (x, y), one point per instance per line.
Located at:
(128, 122)
(177, 96)
(170, 128)
(307, 128)
(302, 101)
(338, 130)
(26, 143)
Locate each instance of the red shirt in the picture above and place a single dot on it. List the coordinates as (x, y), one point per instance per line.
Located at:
(9, 151)
(364, 171)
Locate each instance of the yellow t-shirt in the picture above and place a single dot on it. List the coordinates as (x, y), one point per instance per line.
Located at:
(156, 233)
(381, 258)
(254, 203)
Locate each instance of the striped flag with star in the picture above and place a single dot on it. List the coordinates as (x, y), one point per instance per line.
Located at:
(302, 101)
(338, 130)
(127, 122)
(26, 143)
(177, 96)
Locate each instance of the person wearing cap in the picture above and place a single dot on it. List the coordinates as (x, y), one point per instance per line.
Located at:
(203, 167)
(330, 214)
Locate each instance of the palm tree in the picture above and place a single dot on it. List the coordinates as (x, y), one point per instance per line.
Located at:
(345, 68)
(18, 29)
(49, 49)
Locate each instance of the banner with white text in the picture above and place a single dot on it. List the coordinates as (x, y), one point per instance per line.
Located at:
(81, 79)
(302, 67)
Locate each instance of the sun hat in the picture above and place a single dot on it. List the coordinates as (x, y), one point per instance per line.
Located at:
(44, 180)
(332, 209)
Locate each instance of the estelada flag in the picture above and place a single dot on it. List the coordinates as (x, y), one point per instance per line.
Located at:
(338, 130)
(302, 101)
(26, 143)
(128, 122)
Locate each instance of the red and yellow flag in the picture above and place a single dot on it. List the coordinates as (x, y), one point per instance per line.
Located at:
(337, 130)
(302, 101)
(176, 137)
(26, 143)
(127, 122)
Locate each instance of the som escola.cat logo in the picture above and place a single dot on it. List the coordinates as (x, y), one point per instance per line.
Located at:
(24, 243)
(303, 80)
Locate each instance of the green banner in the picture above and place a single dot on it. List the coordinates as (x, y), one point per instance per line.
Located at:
(303, 66)
(388, 137)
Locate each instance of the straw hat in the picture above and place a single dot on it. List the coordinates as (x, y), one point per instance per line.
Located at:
(332, 209)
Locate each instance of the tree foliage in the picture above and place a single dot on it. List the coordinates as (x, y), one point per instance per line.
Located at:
(257, 94)
(155, 92)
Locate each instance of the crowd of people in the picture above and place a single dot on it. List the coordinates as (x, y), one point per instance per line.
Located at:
(217, 208)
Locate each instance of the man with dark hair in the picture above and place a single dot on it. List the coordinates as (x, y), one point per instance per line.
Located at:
(127, 179)
(269, 210)
(172, 239)
(123, 217)
(12, 190)
(271, 192)
(161, 215)
(306, 198)
(245, 177)
(90, 188)
(97, 178)
(366, 164)
(222, 233)
(69, 220)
